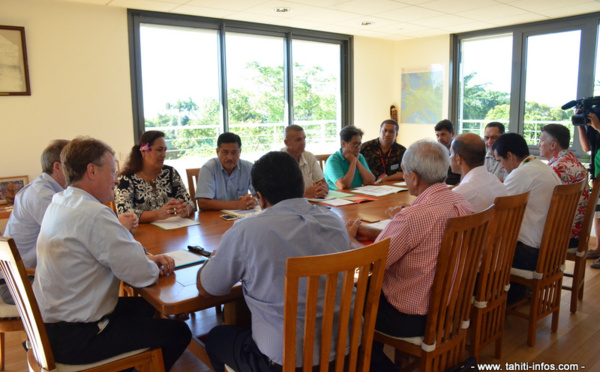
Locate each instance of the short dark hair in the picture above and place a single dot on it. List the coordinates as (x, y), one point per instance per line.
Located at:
(511, 142)
(135, 162)
(80, 152)
(293, 128)
(392, 122)
(277, 176)
(347, 133)
(444, 124)
(51, 155)
(229, 137)
(472, 151)
(560, 133)
(496, 124)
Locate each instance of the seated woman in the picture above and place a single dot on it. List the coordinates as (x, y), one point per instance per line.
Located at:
(147, 187)
(348, 168)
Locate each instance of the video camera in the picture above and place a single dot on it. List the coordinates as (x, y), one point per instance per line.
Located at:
(583, 107)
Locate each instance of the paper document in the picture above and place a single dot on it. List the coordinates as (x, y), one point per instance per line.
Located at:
(185, 258)
(330, 195)
(380, 225)
(337, 202)
(377, 190)
(175, 223)
(241, 213)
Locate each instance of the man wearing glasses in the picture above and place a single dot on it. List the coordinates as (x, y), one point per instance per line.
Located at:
(492, 131)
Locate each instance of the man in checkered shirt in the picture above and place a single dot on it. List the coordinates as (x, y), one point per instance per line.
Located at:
(416, 232)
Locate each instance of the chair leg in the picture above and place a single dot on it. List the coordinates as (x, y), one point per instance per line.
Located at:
(498, 351)
(533, 311)
(2, 351)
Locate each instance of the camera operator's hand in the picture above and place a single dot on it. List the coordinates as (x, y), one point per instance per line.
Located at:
(594, 121)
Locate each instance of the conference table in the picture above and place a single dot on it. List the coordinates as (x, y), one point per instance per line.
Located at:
(177, 293)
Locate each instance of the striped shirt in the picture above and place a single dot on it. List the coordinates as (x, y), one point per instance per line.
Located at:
(416, 234)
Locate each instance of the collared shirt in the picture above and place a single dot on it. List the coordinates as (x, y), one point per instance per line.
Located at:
(570, 170)
(215, 183)
(83, 254)
(27, 215)
(535, 176)
(494, 166)
(337, 166)
(133, 194)
(382, 164)
(255, 251)
(311, 171)
(416, 234)
(479, 187)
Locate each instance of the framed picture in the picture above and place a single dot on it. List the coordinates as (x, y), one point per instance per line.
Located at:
(14, 71)
(9, 186)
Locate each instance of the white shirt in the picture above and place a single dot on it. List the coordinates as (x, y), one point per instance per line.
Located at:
(494, 166)
(311, 171)
(26, 218)
(535, 176)
(480, 188)
(83, 253)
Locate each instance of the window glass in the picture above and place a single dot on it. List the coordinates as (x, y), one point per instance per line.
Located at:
(551, 81)
(317, 94)
(181, 90)
(255, 92)
(485, 75)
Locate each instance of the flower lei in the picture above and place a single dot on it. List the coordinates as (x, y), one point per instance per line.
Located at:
(145, 147)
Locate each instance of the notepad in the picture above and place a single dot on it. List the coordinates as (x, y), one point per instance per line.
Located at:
(241, 213)
(184, 258)
(174, 222)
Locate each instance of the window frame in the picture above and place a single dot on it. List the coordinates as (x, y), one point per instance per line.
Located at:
(222, 26)
(588, 24)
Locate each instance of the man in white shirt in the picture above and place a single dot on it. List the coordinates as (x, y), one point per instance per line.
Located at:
(526, 173)
(83, 253)
(492, 132)
(477, 185)
(315, 185)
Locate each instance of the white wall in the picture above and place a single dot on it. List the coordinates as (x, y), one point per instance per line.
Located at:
(79, 70)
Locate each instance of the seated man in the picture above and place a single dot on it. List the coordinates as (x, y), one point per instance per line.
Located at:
(492, 131)
(224, 181)
(30, 205)
(444, 132)
(554, 147)
(83, 254)
(526, 173)
(384, 154)
(314, 181)
(416, 233)
(477, 185)
(347, 168)
(255, 251)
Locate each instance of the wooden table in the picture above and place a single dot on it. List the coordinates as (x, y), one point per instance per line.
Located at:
(177, 293)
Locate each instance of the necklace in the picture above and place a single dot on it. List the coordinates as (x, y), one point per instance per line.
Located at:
(149, 179)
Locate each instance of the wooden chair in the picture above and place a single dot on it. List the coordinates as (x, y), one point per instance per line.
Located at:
(39, 355)
(579, 255)
(9, 322)
(489, 308)
(443, 344)
(192, 178)
(322, 159)
(351, 326)
(546, 281)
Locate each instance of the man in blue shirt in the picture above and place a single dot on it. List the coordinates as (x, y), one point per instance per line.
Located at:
(255, 251)
(224, 181)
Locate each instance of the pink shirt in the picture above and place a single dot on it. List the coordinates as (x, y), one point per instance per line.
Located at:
(416, 234)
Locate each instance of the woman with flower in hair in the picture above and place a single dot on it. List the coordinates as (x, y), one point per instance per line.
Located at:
(147, 187)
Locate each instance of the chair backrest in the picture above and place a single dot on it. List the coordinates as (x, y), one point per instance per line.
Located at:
(494, 273)
(453, 285)
(354, 267)
(586, 225)
(20, 288)
(322, 159)
(192, 178)
(557, 229)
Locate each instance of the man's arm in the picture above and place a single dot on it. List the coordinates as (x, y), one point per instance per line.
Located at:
(201, 289)
(365, 172)
(583, 138)
(398, 176)
(243, 203)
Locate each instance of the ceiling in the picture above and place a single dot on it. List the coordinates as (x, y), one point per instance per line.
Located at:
(390, 19)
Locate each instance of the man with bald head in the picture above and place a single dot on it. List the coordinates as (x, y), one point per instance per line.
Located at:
(477, 185)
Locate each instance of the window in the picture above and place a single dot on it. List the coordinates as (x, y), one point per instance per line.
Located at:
(521, 75)
(195, 78)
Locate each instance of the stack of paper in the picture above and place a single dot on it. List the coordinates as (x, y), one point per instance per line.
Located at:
(378, 190)
(240, 213)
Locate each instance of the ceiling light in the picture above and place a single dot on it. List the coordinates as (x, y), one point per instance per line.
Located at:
(366, 23)
(282, 10)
